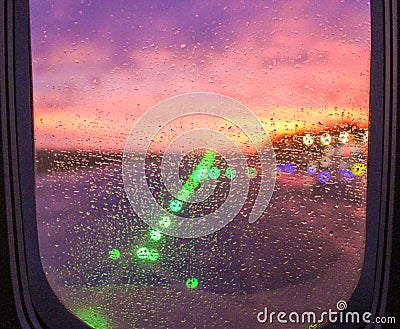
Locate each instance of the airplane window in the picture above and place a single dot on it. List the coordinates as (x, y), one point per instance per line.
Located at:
(198, 161)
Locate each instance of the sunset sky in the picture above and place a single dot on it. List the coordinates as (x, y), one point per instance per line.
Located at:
(99, 65)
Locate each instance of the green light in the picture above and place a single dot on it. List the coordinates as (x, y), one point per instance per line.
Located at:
(92, 318)
(155, 235)
(153, 255)
(200, 173)
(142, 253)
(252, 172)
(192, 283)
(114, 254)
(205, 164)
(165, 222)
(175, 205)
(214, 173)
(183, 195)
(230, 173)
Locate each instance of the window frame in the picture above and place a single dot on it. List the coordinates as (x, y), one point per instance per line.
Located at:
(32, 293)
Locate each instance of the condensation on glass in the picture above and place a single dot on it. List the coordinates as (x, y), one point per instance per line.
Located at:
(302, 67)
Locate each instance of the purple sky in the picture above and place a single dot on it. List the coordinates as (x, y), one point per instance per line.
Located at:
(95, 61)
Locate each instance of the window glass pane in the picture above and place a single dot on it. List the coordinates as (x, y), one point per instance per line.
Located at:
(288, 107)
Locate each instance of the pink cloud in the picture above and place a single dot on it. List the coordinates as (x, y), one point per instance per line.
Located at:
(84, 98)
